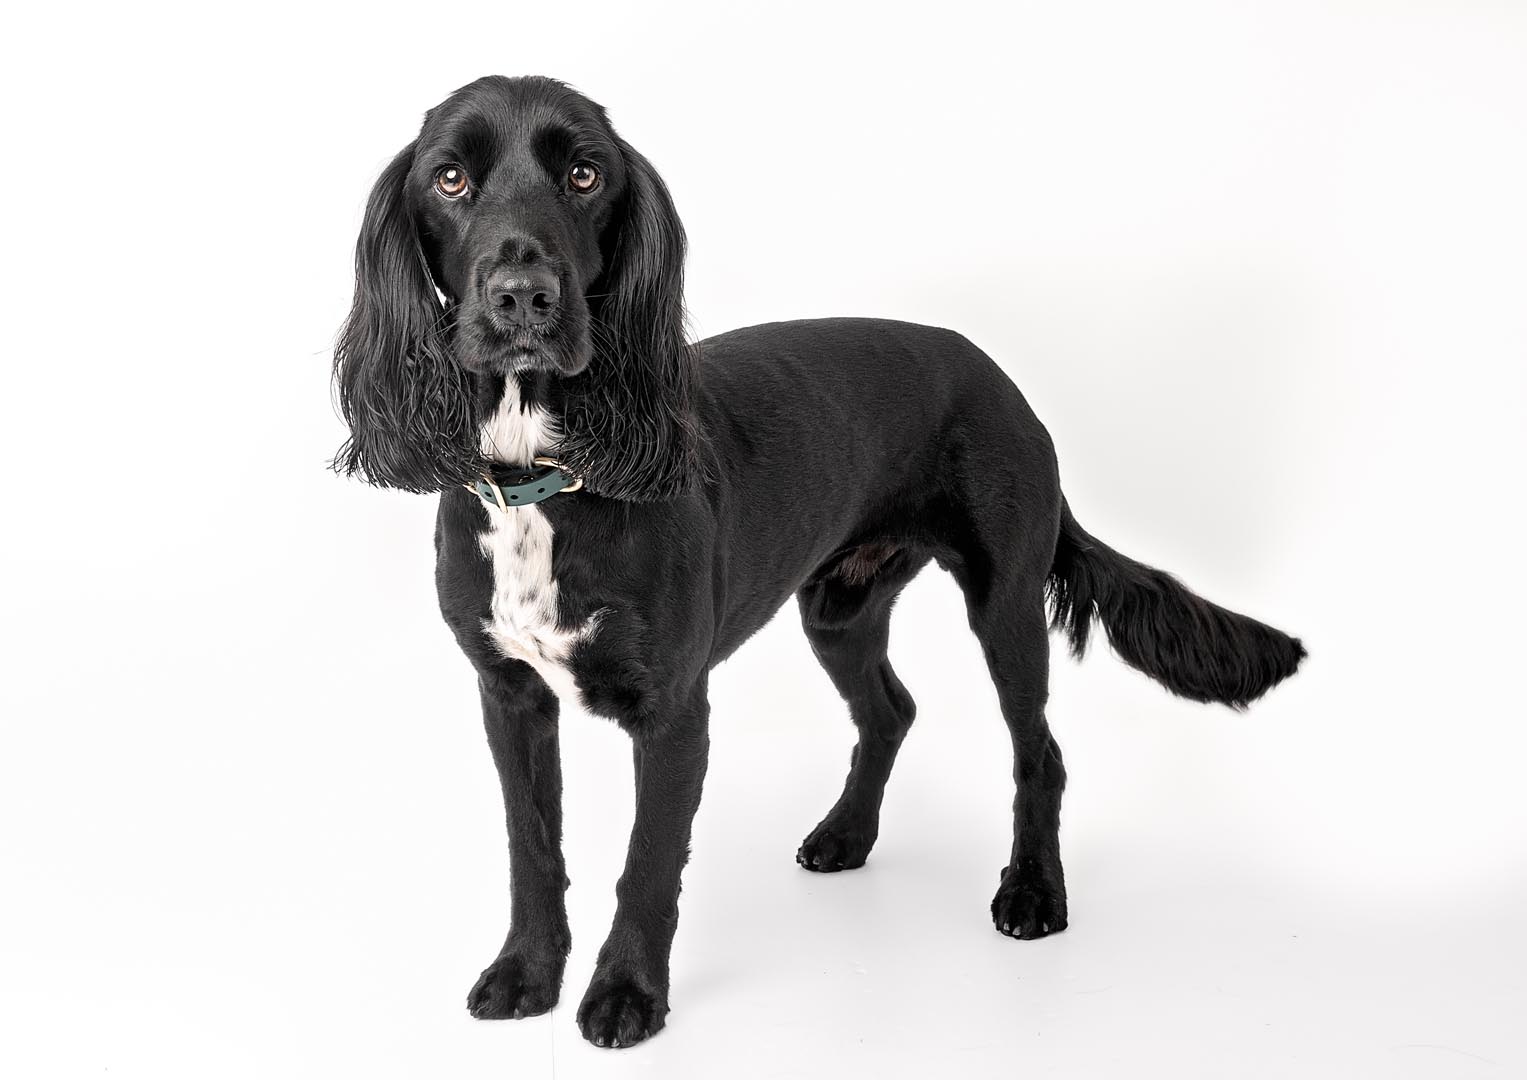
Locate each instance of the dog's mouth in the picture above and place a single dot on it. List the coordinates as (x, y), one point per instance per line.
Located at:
(486, 347)
(526, 345)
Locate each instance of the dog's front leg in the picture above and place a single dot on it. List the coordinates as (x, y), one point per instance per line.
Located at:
(520, 713)
(628, 998)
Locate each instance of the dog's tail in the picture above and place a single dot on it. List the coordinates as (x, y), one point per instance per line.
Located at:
(1194, 648)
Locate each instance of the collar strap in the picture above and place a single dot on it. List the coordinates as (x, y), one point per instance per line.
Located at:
(521, 487)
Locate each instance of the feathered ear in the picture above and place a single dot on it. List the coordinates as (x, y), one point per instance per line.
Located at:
(408, 403)
(628, 419)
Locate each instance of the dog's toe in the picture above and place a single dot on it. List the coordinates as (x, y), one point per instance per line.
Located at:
(1027, 906)
(832, 847)
(512, 988)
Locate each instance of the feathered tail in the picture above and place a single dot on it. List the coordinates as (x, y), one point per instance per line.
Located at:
(1194, 648)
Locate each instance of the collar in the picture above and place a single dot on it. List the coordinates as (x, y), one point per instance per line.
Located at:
(521, 487)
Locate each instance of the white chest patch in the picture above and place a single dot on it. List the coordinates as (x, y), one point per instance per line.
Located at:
(522, 621)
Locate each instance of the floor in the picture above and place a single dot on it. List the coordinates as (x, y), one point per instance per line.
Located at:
(316, 899)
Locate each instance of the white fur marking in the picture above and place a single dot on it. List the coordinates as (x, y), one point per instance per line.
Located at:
(517, 542)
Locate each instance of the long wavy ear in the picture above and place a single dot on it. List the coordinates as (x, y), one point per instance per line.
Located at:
(628, 419)
(408, 403)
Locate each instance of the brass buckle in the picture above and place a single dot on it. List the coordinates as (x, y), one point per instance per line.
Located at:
(498, 495)
(554, 463)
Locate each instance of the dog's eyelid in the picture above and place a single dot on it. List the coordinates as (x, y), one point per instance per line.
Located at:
(590, 154)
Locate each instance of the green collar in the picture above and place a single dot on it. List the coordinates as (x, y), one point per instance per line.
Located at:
(521, 487)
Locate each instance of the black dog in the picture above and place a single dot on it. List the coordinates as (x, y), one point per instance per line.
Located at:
(620, 510)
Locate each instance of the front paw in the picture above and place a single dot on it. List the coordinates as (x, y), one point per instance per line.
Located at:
(617, 1012)
(514, 987)
(834, 846)
(1029, 904)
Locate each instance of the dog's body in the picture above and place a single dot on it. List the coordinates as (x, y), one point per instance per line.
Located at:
(830, 460)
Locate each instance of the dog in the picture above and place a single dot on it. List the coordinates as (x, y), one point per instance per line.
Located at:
(620, 509)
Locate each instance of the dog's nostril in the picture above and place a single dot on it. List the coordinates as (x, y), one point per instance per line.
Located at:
(526, 298)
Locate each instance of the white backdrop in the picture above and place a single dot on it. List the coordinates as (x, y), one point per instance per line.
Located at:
(1260, 269)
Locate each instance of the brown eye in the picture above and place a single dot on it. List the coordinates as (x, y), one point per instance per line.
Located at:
(583, 176)
(451, 181)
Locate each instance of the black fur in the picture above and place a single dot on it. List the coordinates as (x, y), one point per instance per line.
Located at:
(408, 403)
(831, 460)
(1195, 649)
(629, 418)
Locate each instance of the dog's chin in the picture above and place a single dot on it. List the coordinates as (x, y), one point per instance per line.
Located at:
(512, 354)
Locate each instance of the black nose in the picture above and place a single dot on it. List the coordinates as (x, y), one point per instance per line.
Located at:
(524, 297)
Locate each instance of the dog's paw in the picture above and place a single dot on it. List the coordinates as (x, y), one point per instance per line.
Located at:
(1027, 906)
(513, 987)
(617, 1012)
(833, 846)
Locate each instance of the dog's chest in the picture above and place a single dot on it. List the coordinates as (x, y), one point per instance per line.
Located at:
(522, 622)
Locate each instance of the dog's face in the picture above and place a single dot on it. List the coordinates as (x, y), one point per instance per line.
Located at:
(519, 237)
(515, 184)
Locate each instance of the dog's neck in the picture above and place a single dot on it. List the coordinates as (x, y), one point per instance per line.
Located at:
(623, 443)
(516, 431)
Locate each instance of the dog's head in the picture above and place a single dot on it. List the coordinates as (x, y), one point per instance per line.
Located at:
(518, 237)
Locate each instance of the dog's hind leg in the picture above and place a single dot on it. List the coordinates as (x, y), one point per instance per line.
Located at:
(847, 612)
(1009, 620)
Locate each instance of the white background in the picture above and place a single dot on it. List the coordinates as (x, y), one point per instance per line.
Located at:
(1260, 269)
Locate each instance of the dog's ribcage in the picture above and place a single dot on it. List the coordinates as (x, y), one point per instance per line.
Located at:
(517, 542)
